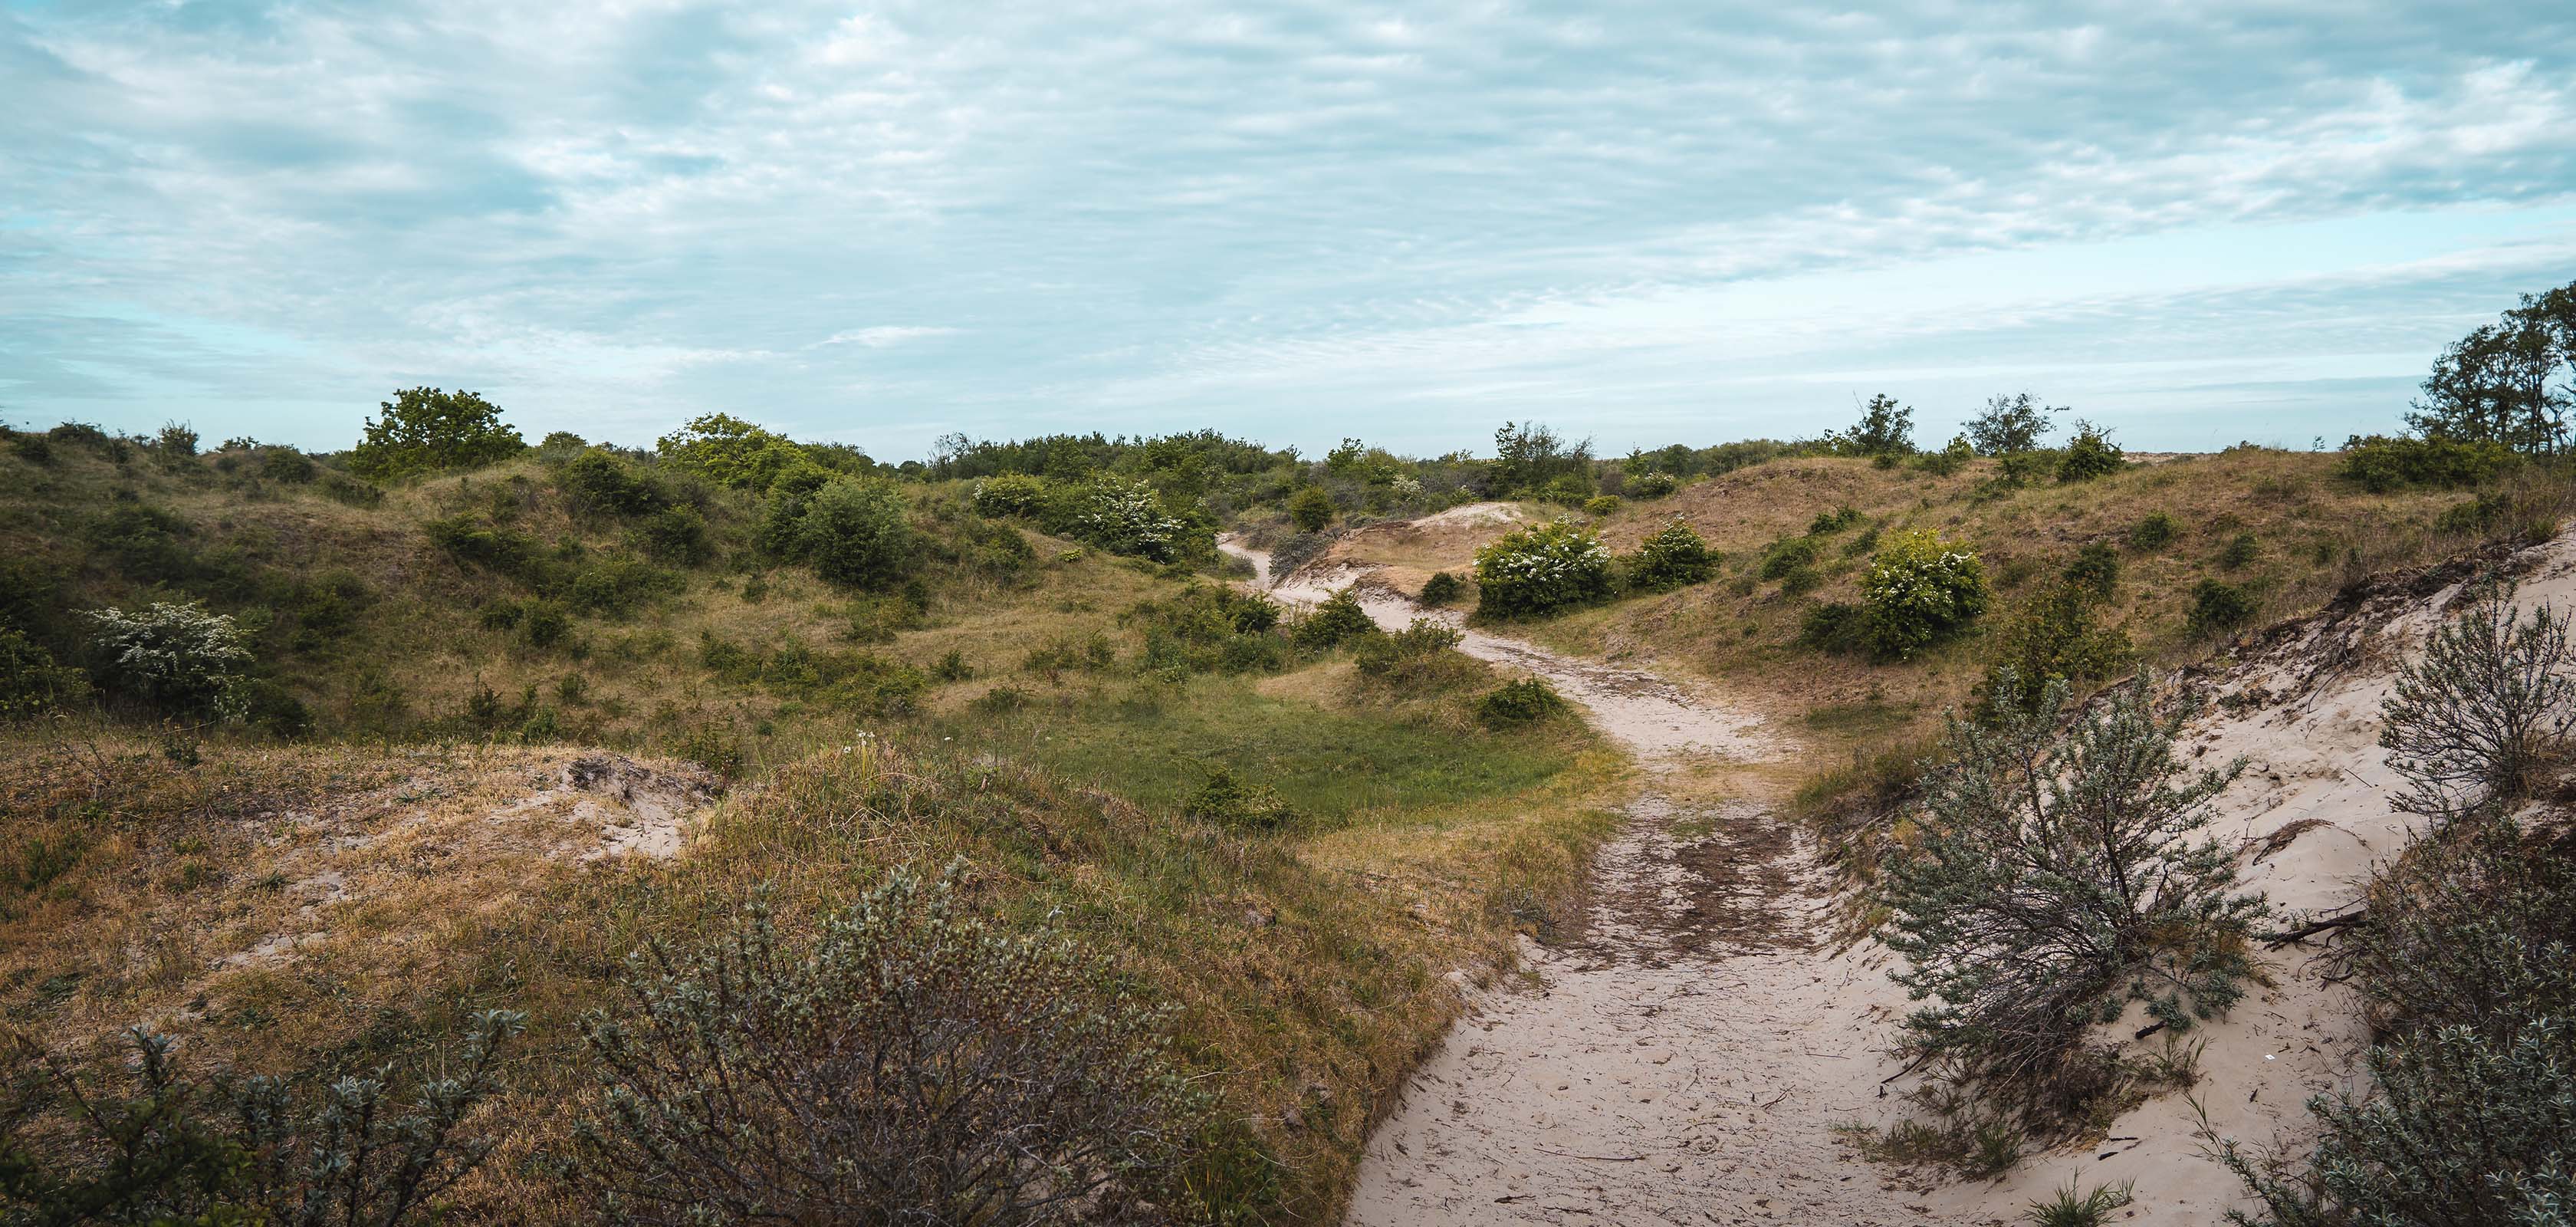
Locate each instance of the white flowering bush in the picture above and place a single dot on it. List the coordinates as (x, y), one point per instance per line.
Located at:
(1127, 517)
(1920, 591)
(1541, 568)
(179, 656)
(1406, 487)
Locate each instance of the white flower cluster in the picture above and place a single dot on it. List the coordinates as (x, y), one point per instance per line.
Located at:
(177, 653)
(1127, 517)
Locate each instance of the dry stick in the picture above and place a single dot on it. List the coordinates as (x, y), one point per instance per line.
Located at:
(2312, 928)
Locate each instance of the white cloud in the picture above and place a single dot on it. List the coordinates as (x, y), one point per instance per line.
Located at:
(887, 336)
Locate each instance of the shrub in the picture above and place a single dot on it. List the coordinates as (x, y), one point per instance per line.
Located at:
(1950, 459)
(426, 430)
(855, 531)
(1334, 620)
(1674, 557)
(1441, 589)
(177, 656)
(1567, 490)
(2073, 1208)
(1310, 509)
(176, 440)
(144, 542)
(1239, 805)
(2058, 877)
(1919, 591)
(910, 1062)
(491, 547)
(1297, 551)
(32, 684)
(1786, 555)
(2472, 720)
(342, 488)
(1522, 701)
(2154, 532)
(543, 623)
(34, 449)
(599, 481)
(1834, 626)
(2090, 454)
(2010, 424)
(2218, 607)
(1418, 658)
(1652, 485)
(1885, 428)
(287, 465)
(616, 587)
(1827, 523)
(2381, 463)
(730, 452)
(2051, 638)
(1601, 504)
(1011, 494)
(176, 1149)
(952, 667)
(1127, 517)
(675, 535)
(2242, 549)
(2095, 571)
(1545, 567)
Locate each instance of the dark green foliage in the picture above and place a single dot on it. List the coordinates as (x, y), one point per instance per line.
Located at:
(2154, 532)
(2217, 607)
(287, 465)
(1952, 457)
(2240, 550)
(1674, 557)
(2382, 463)
(1920, 591)
(617, 587)
(144, 543)
(342, 488)
(2096, 570)
(544, 623)
(175, 1150)
(1885, 428)
(34, 449)
(2010, 424)
(467, 539)
(1786, 555)
(1011, 494)
(325, 607)
(2090, 454)
(676, 535)
(1236, 804)
(952, 667)
(1311, 509)
(1522, 701)
(1335, 620)
(726, 451)
(1420, 659)
(2507, 383)
(32, 683)
(2059, 876)
(855, 531)
(426, 430)
(1532, 458)
(1652, 485)
(854, 680)
(1541, 569)
(1835, 626)
(1828, 523)
(2476, 515)
(2489, 703)
(908, 1062)
(603, 483)
(997, 550)
(1441, 589)
(2052, 637)
(176, 440)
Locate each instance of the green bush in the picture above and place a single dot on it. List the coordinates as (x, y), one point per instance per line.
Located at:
(1674, 557)
(909, 1062)
(1128, 517)
(1952, 457)
(1310, 509)
(1540, 569)
(1827, 523)
(2381, 463)
(2089, 454)
(179, 657)
(34, 449)
(1335, 620)
(856, 531)
(1418, 659)
(602, 482)
(617, 587)
(2242, 549)
(2154, 532)
(1011, 494)
(2035, 834)
(2095, 571)
(1522, 701)
(2052, 637)
(1441, 589)
(175, 440)
(543, 623)
(492, 547)
(676, 535)
(726, 451)
(1834, 626)
(1237, 804)
(32, 684)
(287, 465)
(1601, 504)
(427, 430)
(144, 542)
(1652, 485)
(1786, 555)
(2476, 718)
(1919, 591)
(2217, 607)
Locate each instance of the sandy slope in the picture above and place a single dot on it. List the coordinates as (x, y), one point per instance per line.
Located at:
(1687, 1058)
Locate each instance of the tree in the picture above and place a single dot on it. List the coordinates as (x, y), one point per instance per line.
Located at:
(2510, 382)
(427, 430)
(1529, 457)
(1885, 428)
(2010, 424)
(1311, 509)
(730, 452)
(2057, 877)
(856, 531)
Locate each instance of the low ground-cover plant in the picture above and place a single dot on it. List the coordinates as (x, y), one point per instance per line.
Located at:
(2489, 701)
(2058, 875)
(1541, 569)
(1237, 804)
(1919, 591)
(1522, 701)
(909, 1062)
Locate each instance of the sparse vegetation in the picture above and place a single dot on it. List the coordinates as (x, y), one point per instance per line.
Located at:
(2488, 703)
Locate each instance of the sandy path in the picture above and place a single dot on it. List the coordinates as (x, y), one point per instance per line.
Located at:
(1682, 1060)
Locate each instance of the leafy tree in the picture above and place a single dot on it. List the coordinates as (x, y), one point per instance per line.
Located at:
(730, 452)
(2010, 424)
(1310, 509)
(908, 1063)
(1885, 428)
(427, 430)
(1529, 457)
(2510, 382)
(2090, 454)
(1540, 568)
(2057, 877)
(1919, 591)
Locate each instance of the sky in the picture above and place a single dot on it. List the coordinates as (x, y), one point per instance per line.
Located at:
(2196, 223)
